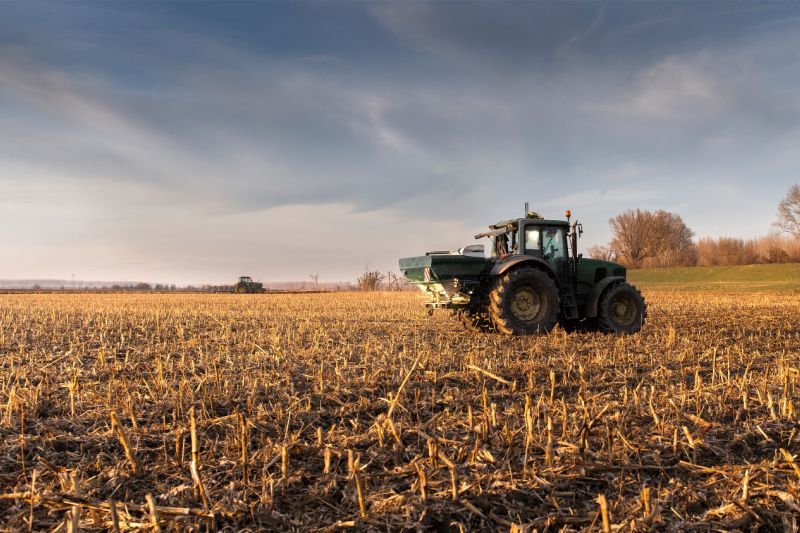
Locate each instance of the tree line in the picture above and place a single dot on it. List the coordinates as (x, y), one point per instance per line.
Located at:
(652, 239)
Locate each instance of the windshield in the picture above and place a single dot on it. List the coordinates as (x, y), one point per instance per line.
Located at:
(553, 243)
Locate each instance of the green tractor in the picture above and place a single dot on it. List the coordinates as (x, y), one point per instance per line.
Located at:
(533, 279)
(246, 285)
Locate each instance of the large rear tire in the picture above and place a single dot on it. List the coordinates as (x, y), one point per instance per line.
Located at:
(622, 309)
(524, 302)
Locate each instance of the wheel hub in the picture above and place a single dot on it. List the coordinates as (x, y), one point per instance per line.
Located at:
(525, 304)
(623, 310)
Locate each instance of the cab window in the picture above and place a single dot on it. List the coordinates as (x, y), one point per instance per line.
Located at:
(532, 240)
(553, 243)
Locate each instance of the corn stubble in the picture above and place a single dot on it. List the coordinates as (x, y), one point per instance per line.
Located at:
(325, 411)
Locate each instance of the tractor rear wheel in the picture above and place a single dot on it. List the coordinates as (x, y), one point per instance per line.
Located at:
(621, 309)
(524, 302)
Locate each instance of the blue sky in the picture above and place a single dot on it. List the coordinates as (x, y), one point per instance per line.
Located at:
(197, 141)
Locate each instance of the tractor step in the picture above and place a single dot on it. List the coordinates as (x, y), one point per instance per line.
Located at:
(569, 307)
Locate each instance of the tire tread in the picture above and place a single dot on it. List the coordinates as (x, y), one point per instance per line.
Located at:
(603, 311)
(504, 323)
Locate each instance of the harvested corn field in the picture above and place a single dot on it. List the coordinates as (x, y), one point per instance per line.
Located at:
(328, 411)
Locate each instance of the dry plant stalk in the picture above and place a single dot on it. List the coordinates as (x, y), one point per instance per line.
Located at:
(73, 523)
(180, 438)
(327, 461)
(549, 449)
(112, 507)
(745, 486)
(396, 396)
(489, 374)
(73, 391)
(243, 436)
(194, 466)
(423, 482)
(362, 504)
(123, 439)
(601, 499)
(789, 459)
(284, 465)
(151, 503)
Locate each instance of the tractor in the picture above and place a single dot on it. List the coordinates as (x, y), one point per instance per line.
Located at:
(533, 279)
(246, 285)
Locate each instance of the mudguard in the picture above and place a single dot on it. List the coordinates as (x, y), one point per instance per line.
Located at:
(597, 291)
(500, 267)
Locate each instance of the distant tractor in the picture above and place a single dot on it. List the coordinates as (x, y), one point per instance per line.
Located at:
(533, 279)
(246, 285)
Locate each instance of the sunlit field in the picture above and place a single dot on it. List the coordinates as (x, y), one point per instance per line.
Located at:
(326, 411)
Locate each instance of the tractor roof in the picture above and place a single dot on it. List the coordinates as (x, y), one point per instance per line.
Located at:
(550, 222)
(505, 226)
(510, 224)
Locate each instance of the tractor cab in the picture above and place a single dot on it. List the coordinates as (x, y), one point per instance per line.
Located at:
(533, 235)
(245, 279)
(543, 238)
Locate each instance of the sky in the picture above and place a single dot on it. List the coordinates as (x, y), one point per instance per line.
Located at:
(193, 142)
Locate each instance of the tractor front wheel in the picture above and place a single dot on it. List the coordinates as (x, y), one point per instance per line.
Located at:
(524, 302)
(622, 309)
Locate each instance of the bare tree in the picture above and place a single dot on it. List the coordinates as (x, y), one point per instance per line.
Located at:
(601, 252)
(789, 212)
(774, 248)
(632, 237)
(659, 238)
(370, 281)
(673, 244)
(394, 281)
(315, 278)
